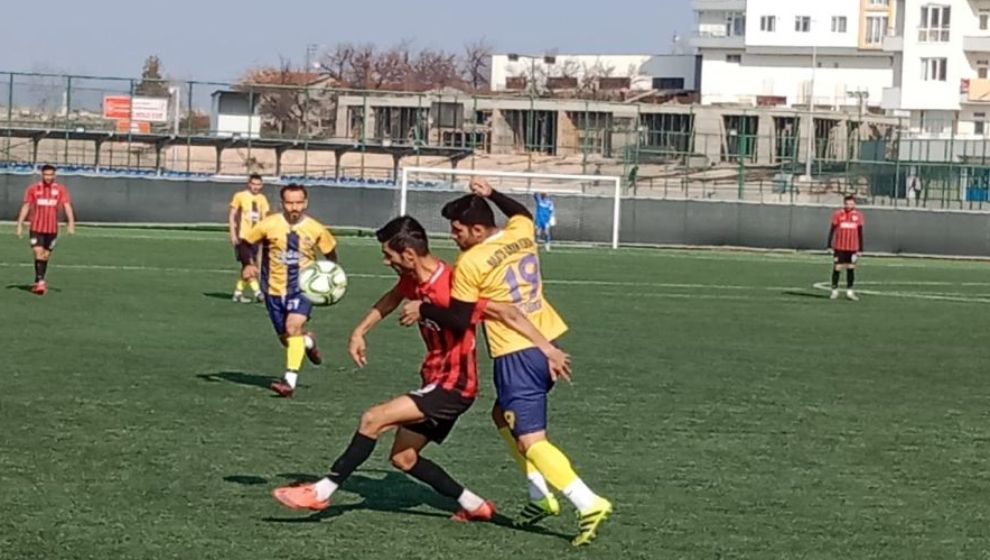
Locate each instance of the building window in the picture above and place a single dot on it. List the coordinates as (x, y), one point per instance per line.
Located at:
(668, 83)
(879, 2)
(935, 22)
(839, 24)
(735, 24)
(984, 20)
(733, 58)
(802, 24)
(768, 23)
(981, 69)
(933, 69)
(979, 123)
(876, 29)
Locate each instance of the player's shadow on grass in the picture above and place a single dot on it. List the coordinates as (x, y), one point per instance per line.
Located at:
(395, 493)
(27, 288)
(238, 377)
(217, 295)
(813, 295)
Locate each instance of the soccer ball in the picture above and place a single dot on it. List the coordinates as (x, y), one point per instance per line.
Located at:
(323, 282)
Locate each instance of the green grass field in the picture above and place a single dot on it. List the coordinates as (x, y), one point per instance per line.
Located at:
(726, 407)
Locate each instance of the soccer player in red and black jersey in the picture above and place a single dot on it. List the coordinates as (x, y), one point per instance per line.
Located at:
(845, 239)
(449, 379)
(42, 201)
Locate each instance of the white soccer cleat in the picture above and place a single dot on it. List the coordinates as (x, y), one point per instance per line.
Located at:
(835, 294)
(851, 295)
(237, 297)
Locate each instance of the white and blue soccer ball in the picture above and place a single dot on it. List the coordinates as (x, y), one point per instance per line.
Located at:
(323, 283)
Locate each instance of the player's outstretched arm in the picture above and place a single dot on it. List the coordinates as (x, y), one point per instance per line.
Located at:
(70, 216)
(357, 347)
(21, 216)
(457, 317)
(511, 316)
(505, 204)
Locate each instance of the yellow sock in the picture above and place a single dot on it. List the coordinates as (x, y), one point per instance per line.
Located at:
(524, 465)
(295, 352)
(554, 465)
(254, 286)
(240, 286)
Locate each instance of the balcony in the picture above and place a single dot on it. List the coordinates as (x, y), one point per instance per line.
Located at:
(713, 41)
(718, 5)
(892, 43)
(978, 91)
(976, 44)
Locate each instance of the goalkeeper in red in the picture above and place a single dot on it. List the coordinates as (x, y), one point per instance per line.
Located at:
(845, 239)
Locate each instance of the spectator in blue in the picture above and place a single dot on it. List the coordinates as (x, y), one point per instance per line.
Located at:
(545, 218)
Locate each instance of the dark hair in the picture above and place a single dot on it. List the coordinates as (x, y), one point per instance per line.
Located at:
(404, 233)
(293, 187)
(47, 167)
(470, 210)
(254, 177)
(851, 197)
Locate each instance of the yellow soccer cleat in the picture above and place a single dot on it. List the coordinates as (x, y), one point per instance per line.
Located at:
(537, 511)
(590, 520)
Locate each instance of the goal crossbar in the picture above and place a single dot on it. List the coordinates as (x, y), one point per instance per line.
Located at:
(616, 181)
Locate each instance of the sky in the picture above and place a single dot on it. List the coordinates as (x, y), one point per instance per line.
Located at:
(213, 40)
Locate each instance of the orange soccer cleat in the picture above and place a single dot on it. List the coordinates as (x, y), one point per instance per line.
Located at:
(484, 512)
(302, 496)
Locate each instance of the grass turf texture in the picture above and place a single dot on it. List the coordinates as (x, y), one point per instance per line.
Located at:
(725, 406)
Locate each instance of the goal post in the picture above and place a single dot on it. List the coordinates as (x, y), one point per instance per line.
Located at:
(602, 194)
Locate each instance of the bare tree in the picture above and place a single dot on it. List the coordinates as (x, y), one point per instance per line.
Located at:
(152, 83)
(337, 63)
(435, 69)
(290, 102)
(476, 64)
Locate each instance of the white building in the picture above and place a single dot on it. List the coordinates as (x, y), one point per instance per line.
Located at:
(761, 52)
(941, 54)
(232, 114)
(636, 72)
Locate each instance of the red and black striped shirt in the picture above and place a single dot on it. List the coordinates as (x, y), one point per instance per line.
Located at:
(46, 201)
(450, 360)
(847, 226)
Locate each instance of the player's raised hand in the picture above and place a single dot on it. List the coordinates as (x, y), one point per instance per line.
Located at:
(481, 187)
(560, 364)
(358, 349)
(410, 314)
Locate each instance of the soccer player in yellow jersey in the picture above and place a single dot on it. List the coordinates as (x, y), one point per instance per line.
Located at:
(290, 241)
(247, 209)
(503, 266)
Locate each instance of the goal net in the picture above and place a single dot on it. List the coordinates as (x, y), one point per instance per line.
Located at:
(586, 207)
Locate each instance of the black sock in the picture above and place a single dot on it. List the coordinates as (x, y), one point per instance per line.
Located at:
(40, 268)
(850, 278)
(429, 472)
(356, 453)
(835, 279)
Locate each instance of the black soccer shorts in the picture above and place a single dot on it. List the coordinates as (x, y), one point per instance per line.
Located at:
(442, 408)
(44, 240)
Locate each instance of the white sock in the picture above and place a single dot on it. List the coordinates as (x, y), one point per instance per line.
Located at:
(537, 486)
(469, 500)
(580, 495)
(324, 489)
(308, 341)
(290, 378)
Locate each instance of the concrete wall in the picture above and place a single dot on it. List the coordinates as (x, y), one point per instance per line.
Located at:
(644, 221)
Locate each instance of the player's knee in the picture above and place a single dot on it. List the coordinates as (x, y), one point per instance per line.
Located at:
(404, 460)
(293, 330)
(370, 423)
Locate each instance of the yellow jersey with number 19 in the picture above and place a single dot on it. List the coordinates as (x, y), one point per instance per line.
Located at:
(505, 268)
(286, 249)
